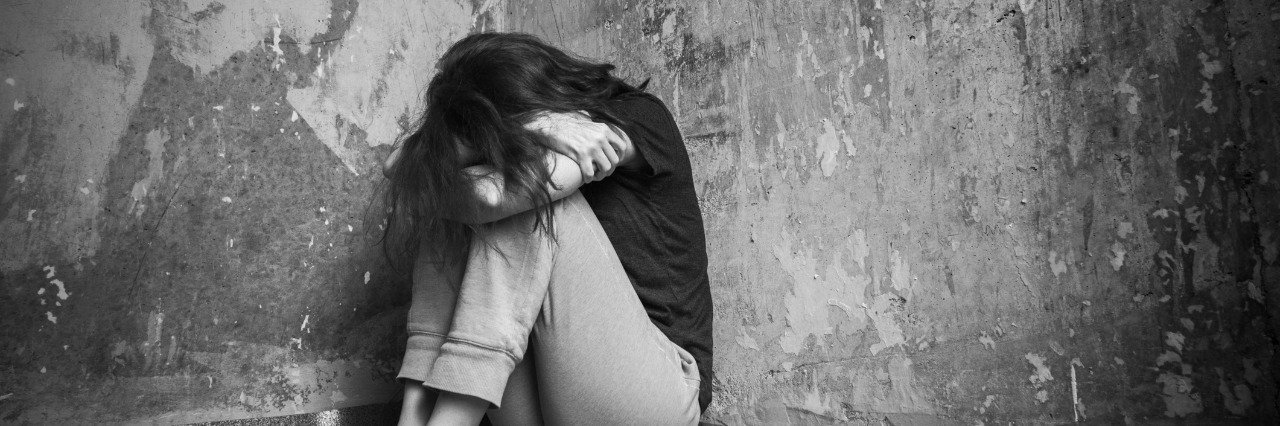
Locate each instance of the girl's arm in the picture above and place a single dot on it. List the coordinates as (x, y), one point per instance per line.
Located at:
(390, 162)
(454, 409)
(419, 403)
(492, 202)
(598, 148)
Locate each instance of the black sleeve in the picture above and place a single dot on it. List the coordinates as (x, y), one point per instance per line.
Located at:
(654, 132)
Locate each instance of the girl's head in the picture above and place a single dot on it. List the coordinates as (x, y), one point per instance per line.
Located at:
(487, 87)
(517, 75)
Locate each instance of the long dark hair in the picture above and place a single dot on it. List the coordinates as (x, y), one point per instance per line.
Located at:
(488, 86)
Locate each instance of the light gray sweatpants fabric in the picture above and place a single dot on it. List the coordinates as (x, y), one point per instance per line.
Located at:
(547, 332)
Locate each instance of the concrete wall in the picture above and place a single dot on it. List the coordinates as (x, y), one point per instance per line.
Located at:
(929, 212)
(183, 203)
(972, 210)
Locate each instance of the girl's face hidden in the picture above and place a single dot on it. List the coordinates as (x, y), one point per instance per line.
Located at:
(467, 154)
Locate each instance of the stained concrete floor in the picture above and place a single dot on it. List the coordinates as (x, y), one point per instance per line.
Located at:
(381, 414)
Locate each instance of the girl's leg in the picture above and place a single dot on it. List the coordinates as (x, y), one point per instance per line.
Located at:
(434, 297)
(520, 402)
(600, 359)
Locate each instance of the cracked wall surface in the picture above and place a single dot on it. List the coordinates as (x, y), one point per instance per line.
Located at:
(918, 212)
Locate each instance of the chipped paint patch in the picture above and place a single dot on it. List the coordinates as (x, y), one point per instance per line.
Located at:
(900, 273)
(155, 141)
(1174, 340)
(1255, 292)
(1180, 399)
(883, 315)
(352, 95)
(62, 289)
(1057, 348)
(987, 341)
(860, 249)
(1117, 255)
(239, 25)
(829, 147)
(1056, 265)
(807, 304)
(1206, 104)
(1041, 375)
(1124, 229)
(1124, 87)
(1208, 68)
(745, 340)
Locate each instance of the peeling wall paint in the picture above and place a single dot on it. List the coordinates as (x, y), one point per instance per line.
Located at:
(980, 189)
(946, 212)
(184, 184)
(75, 78)
(345, 105)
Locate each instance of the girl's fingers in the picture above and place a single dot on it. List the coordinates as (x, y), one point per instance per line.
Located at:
(610, 150)
(588, 169)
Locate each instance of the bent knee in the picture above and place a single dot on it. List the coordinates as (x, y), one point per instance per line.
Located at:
(571, 211)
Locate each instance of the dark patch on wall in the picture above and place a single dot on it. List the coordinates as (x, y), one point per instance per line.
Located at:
(652, 25)
(99, 50)
(25, 143)
(253, 229)
(695, 57)
(969, 199)
(342, 13)
(1087, 212)
(214, 8)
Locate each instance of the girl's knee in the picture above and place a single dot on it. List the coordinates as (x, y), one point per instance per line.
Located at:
(568, 213)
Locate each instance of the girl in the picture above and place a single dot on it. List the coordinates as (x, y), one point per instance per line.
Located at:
(560, 261)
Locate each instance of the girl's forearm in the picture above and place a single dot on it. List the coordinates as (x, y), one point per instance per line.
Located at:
(492, 202)
(418, 404)
(454, 409)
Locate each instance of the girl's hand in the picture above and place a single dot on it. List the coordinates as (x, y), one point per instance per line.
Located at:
(594, 146)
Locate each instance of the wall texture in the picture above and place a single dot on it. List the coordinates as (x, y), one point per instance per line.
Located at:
(920, 212)
(975, 212)
(183, 203)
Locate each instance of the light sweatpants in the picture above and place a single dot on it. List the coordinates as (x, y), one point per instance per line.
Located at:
(546, 331)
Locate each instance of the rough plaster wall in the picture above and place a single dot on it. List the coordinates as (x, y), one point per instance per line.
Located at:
(972, 212)
(183, 203)
(926, 212)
